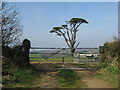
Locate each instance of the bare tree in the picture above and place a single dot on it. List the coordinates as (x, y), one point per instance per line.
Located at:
(10, 24)
(68, 31)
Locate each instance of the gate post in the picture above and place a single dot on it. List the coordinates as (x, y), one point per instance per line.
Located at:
(101, 51)
(26, 47)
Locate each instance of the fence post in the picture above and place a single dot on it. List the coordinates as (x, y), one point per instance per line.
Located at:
(26, 47)
(101, 51)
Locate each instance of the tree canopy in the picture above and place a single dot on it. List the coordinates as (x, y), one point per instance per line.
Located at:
(10, 24)
(68, 31)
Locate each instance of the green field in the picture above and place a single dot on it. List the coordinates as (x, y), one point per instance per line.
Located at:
(60, 57)
(51, 59)
(39, 57)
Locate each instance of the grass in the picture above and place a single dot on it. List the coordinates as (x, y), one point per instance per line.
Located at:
(86, 58)
(108, 73)
(52, 59)
(39, 57)
(20, 78)
(84, 65)
(68, 78)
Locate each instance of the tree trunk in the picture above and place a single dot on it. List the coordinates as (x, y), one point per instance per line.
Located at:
(72, 50)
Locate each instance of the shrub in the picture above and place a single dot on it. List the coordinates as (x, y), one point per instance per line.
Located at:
(110, 51)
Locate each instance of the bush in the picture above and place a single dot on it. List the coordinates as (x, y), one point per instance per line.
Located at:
(110, 51)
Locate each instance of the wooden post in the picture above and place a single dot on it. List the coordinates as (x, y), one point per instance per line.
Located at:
(63, 60)
(26, 47)
(101, 52)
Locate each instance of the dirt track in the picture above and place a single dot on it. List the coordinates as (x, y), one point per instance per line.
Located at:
(48, 79)
(88, 77)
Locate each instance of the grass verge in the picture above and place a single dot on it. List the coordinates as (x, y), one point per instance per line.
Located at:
(108, 73)
(20, 78)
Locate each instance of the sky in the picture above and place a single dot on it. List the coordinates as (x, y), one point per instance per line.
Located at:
(38, 18)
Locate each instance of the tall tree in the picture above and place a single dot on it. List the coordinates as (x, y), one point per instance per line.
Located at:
(69, 31)
(10, 24)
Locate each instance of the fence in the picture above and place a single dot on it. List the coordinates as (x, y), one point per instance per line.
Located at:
(63, 54)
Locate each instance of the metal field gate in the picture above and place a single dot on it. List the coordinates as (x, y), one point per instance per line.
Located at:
(63, 55)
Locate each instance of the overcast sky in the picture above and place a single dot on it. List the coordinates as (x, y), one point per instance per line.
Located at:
(38, 18)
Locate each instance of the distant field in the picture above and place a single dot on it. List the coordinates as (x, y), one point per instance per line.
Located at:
(39, 57)
(51, 59)
(48, 57)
